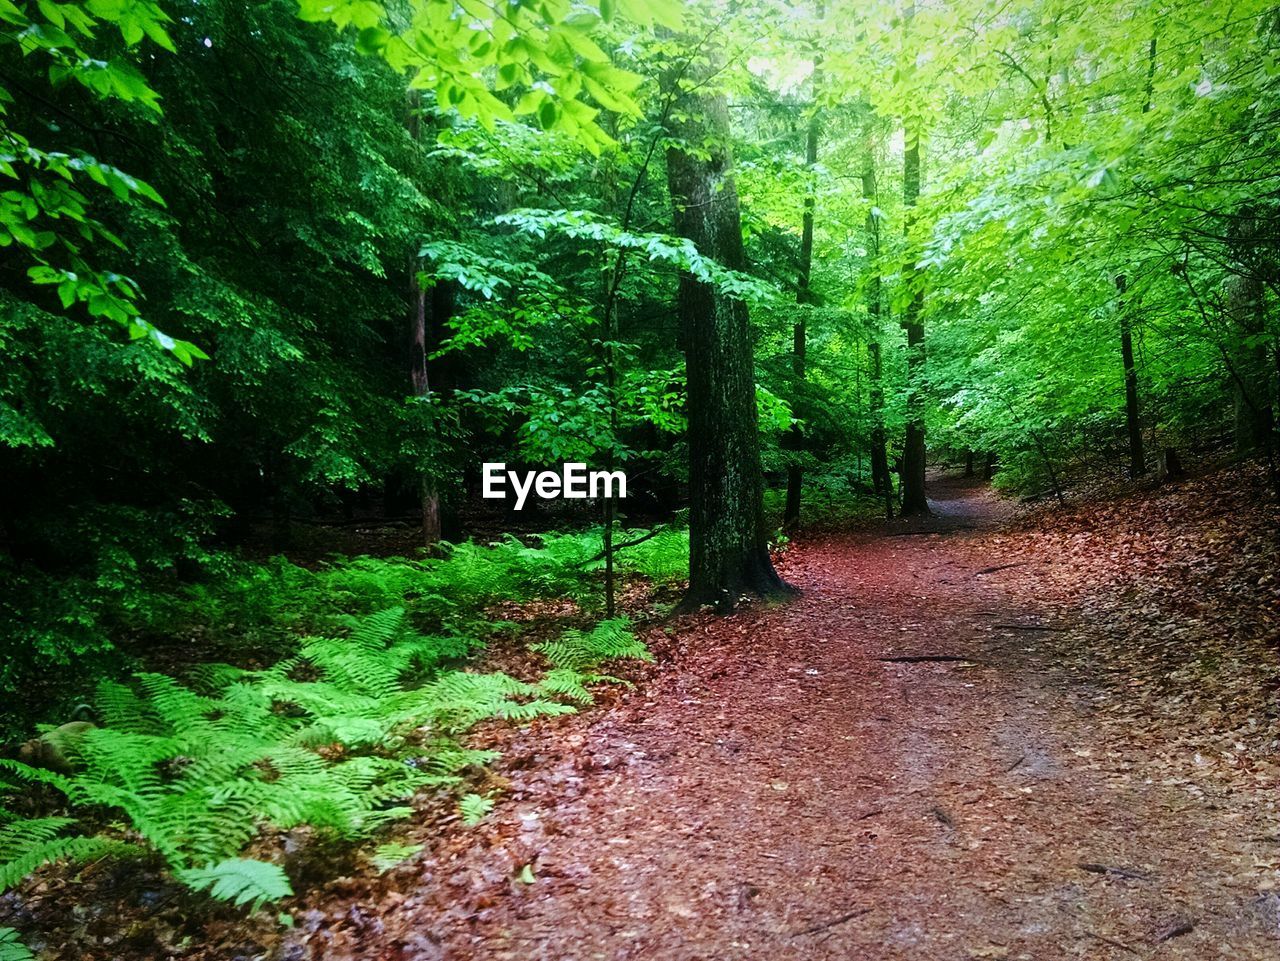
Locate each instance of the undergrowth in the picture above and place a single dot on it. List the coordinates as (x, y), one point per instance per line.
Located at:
(364, 707)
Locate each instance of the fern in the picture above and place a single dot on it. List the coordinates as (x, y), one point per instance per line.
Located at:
(11, 949)
(27, 845)
(566, 683)
(474, 808)
(580, 651)
(389, 855)
(239, 880)
(197, 770)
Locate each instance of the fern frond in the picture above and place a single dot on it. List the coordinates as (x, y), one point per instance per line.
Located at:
(12, 949)
(180, 708)
(567, 683)
(474, 808)
(123, 710)
(30, 846)
(389, 855)
(580, 651)
(241, 881)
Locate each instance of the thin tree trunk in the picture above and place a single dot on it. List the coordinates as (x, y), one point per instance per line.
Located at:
(881, 482)
(728, 539)
(1246, 307)
(420, 377)
(914, 501)
(795, 473)
(419, 373)
(1137, 459)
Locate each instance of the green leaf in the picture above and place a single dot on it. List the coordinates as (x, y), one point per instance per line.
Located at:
(11, 949)
(241, 881)
(474, 808)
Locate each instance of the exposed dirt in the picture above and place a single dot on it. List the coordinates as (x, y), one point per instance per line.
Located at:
(1063, 775)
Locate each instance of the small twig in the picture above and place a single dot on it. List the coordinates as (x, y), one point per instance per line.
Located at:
(1176, 931)
(1000, 567)
(924, 658)
(617, 547)
(1118, 872)
(940, 531)
(944, 817)
(1016, 764)
(1031, 627)
(823, 925)
(868, 814)
(1114, 944)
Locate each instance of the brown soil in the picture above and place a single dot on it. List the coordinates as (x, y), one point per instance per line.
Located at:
(788, 784)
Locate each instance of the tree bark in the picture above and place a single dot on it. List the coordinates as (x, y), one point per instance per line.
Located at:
(795, 473)
(1137, 459)
(914, 501)
(728, 539)
(1246, 306)
(881, 482)
(419, 375)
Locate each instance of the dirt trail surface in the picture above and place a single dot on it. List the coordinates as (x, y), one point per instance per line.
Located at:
(925, 756)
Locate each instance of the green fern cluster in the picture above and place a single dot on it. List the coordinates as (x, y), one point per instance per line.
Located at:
(663, 558)
(337, 734)
(576, 655)
(325, 738)
(266, 606)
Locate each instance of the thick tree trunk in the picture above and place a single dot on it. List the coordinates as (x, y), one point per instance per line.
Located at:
(968, 462)
(914, 501)
(728, 540)
(1137, 459)
(881, 482)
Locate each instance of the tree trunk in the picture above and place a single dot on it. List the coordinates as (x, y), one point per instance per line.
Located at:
(728, 540)
(881, 483)
(1137, 460)
(968, 462)
(1246, 306)
(795, 473)
(419, 374)
(420, 378)
(914, 501)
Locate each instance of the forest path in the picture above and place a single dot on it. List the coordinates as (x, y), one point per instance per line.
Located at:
(790, 788)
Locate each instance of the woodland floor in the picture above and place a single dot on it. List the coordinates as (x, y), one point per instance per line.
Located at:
(1083, 764)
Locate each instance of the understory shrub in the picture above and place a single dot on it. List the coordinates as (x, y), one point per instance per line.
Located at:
(241, 608)
(335, 736)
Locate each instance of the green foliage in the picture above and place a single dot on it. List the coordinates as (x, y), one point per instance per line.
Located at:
(474, 807)
(241, 881)
(50, 217)
(546, 54)
(333, 737)
(11, 949)
(393, 853)
(582, 651)
(26, 845)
